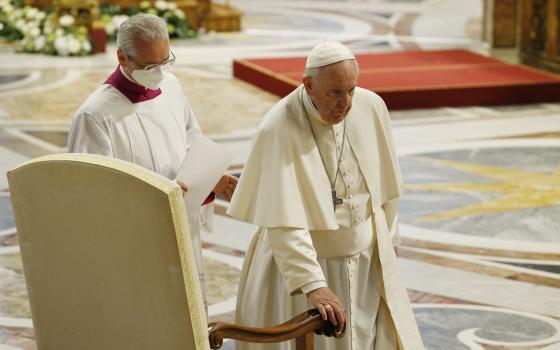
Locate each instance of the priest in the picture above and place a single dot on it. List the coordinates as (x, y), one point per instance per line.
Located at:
(141, 115)
(322, 182)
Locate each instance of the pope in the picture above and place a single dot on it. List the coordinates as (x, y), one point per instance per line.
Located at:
(323, 183)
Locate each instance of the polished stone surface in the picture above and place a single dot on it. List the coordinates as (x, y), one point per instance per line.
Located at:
(10, 78)
(510, 193)
(461, 327)
(6, 214)
(540, 267)
(13, 294)
(480, 217)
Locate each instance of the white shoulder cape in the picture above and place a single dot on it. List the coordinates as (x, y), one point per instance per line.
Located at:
(284, 183)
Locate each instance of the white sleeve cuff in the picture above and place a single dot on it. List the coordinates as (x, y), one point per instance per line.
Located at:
(312, 286)
(295, 257)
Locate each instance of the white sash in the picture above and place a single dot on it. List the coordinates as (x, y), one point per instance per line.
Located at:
(346, 241)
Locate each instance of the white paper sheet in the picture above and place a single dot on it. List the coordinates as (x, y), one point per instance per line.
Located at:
(204, 164)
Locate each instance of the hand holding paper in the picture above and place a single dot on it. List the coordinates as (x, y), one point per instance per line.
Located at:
(202, 169)
(183, 186)
(226, 186)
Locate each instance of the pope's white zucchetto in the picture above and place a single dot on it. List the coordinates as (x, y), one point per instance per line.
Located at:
(328, 52)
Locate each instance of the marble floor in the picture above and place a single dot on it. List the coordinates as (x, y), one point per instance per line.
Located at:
(480, 217)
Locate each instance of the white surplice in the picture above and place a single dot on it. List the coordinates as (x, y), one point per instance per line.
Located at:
(154, 134)
(303, 243)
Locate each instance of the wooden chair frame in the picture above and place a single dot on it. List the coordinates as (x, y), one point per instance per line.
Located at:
(302, 328)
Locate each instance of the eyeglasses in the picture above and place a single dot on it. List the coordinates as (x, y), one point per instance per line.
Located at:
(151, 67)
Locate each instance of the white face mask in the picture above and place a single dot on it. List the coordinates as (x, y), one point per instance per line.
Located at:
(150, 79)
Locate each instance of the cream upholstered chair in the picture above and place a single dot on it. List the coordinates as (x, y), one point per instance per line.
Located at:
(109, 264)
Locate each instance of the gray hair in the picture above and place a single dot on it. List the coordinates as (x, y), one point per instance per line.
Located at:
(146, 26)
(312, 72)
(315, 71)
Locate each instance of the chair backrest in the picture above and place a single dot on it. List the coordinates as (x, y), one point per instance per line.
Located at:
(107, 257)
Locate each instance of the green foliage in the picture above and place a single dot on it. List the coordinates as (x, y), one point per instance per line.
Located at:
(177, 24)
(37, 31)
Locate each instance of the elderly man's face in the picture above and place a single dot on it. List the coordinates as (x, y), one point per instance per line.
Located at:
(332, 90)
(147, 53)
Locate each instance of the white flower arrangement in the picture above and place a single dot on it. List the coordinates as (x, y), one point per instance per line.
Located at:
(35, 32)
(177, 24)
(110, 28)
(179, 13)
(40, 42)
(63, 41)
(61, 46)
(20, 24)
(74, 45)
(48, 29)
(40, 32)
(86, 46)
(15, 14)
(6, 7)
(71, 44)
(118, 20)
(161, 5)
(31, 13)
(66, 21)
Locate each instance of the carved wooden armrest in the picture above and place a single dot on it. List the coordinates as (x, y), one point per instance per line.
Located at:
(301, 327)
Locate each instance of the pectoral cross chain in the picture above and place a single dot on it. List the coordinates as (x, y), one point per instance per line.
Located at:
(336, 201)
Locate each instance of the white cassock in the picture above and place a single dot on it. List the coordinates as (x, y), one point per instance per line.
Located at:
(154, 133)
(303, 243)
